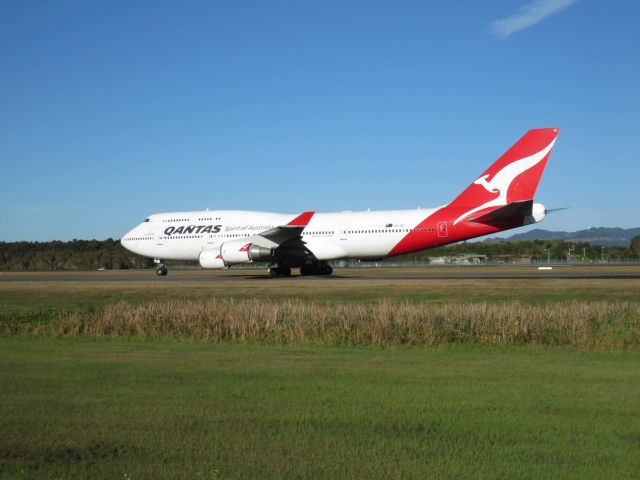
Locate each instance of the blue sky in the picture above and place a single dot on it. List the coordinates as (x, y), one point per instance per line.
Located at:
(110, 111)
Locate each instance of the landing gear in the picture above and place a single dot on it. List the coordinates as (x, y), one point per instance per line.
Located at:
(322, 268)
(281, 271)
(161, 270)
(326, 269)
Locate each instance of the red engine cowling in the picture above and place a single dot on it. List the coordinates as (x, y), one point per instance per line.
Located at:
(242, 251)
(211, 259)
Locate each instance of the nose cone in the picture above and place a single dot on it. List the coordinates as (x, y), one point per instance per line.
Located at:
(127, 240)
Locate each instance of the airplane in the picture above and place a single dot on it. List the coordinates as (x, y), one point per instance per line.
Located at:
(499, 199)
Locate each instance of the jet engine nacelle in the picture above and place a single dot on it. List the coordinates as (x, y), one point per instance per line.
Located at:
(211, 259)
(538, 213)
(241, 251)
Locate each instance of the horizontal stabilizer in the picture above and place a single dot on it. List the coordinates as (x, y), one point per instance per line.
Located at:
(508, 213)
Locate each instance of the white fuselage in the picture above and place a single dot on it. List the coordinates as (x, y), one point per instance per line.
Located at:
(329, 236)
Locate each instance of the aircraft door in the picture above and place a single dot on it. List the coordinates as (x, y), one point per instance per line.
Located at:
(442, 230)
(343, 232)
(211, 239)
(158, 237)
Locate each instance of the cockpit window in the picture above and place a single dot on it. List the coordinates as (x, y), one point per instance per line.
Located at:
(146, 219)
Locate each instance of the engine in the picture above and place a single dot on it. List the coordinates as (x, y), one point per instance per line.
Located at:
(538, 213)
(241, 251)
(211, 259)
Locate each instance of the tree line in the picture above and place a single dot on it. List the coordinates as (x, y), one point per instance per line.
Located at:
(537, 250)
(73, 255)
(109, 254)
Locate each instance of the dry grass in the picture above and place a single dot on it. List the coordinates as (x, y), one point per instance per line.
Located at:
(592, 325)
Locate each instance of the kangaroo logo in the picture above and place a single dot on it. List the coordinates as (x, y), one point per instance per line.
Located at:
(501, 181)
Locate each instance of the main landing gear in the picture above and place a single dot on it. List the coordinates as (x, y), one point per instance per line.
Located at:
(280, 271)
(161, 269)
(322, 268)
(316, 268)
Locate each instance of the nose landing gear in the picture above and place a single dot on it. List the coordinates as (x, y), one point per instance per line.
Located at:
(161, 269)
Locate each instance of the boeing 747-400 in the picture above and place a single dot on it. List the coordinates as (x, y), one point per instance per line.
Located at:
(499, 199)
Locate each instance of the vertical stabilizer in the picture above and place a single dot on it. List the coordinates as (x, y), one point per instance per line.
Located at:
(514, 177)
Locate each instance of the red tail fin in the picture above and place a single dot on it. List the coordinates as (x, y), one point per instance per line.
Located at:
(514, 177)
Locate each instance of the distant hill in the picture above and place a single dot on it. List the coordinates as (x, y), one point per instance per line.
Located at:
(609, 237)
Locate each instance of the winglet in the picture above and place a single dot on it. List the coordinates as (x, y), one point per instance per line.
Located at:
(301, 220)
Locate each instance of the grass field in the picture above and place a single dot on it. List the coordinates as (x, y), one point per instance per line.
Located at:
(18, 297)
(74, 408)
(91, 403)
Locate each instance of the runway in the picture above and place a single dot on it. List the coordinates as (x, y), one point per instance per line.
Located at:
(340, 275)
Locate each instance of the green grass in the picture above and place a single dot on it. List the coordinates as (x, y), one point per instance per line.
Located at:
(74, 408)
(124, 407)
(40, 301)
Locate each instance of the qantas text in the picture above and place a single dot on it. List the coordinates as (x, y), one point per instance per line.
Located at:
(192, 229)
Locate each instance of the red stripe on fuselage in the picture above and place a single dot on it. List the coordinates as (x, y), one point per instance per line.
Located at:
(515, 182)
(438, 229)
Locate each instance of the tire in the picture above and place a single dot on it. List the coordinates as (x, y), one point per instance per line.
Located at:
(308, 270)
(326, 270)
(284, 271)
(279, 272)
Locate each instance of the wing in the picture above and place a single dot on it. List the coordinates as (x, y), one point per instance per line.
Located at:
(283, 241)
(290, 232)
